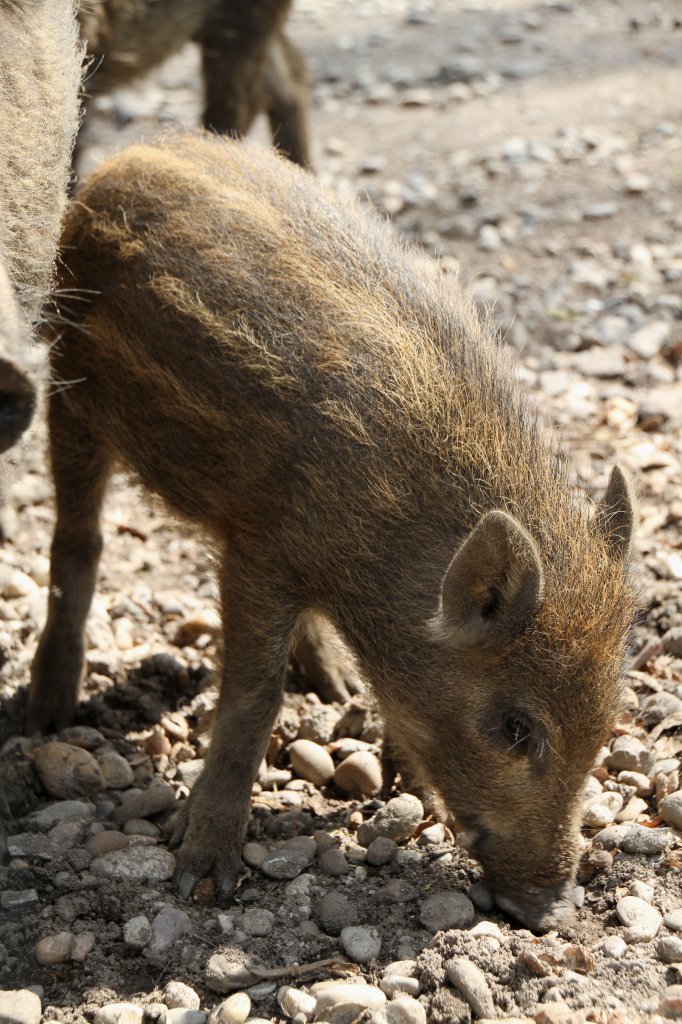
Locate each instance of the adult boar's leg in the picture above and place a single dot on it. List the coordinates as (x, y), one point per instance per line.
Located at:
(257, 626)
(286, 100)
(81, 466)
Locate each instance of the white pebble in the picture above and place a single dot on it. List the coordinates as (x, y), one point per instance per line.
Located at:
(233, 1010)
(177, 994)
(329, 993)
(602, 811)
(403, 1010)
(470, 981)
(613, 946)
(118, 1013)
(362, 944)
(294, 1002)
(641, 919)
(311, 761)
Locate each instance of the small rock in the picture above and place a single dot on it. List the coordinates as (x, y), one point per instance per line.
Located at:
(283, 864)
(225, 975)
(397, 820)
(434, 835)
(359, 774)
(599, 211)
(398, 979)
(82, 736)
(168, 926)
(672, 642)
(602, 811)
(141, 827)
(445, 910)
(613, 946)
(673, 919)
(65, 810)
(611, 836)
(402, 1010)
(116, 771)
(177, 994)
(20, 1006)
(311, 761)
(629, 754)
(118, 1013)
(143, 803)
(642, 784)
(137, 932)
(67, 771)
(332, 862)
(18, 899)
(135, 864)
(254, 854)
(54, 949)
(106, 842)
(233, 1010)
(381, 851)
(178, 1015)
(294, 1002)
(361, 943)
(647, 341)
(335, 913)
(646, 841)
(333, 993)
(669, 949)
(189, 771)
(642, 920)
(671, 810)
(257, 922)
(83, 944)
(470, 981)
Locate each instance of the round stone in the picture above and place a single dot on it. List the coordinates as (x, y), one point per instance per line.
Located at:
(335, 913)
(673, 919)
(646, 841)
(602, 811)
(361, 943)
(293, 1002)
(54, 949)
(143, 803)
(169, 925)
(359, 774)
(67, 771)
(381, 851)
(225, 975)
(311, 761)
(257, 922)
(333, 993)
(332, 862)
(137, 932)
(641, 919)
(671, 810)
(614, 947)
(396, 820)
(115, 770)
(445, 910)
(233, 1010)
(177, 994)
(254, 854)
(669, 949)
(118, 1013)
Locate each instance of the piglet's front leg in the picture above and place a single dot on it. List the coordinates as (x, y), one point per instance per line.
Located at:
(211, 827)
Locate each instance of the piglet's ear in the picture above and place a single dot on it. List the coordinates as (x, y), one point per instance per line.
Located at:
(494, 584)
(615, 514)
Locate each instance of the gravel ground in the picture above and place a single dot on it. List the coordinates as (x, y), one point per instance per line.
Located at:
(535, 149)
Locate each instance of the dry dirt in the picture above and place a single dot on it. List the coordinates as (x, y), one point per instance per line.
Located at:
(535, 148)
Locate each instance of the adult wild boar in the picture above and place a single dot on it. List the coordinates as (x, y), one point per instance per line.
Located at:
(353, 441)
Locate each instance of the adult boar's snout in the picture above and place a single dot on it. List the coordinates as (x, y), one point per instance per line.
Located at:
(541, 909)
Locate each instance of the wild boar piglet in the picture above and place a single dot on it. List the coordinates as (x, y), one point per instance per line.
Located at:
(330, 410)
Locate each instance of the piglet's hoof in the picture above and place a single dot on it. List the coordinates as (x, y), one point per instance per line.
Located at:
(203, 850)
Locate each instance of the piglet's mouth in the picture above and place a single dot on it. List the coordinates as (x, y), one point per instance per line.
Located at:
(541, 909)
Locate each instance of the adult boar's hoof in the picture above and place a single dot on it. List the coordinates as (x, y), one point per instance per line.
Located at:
(541, 910)
(205, 845)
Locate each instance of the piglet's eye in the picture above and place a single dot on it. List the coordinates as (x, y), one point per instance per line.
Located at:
(517, 731)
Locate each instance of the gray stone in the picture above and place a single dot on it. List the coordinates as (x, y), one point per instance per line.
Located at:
(381, 851)
(168, 926)
(257, 922)
(673, 919)
(669, 949)
(647, 341)
(335, 993)
(137, 932)
(614, 946)
(311, 761)
(143, 803)
(181, 1015)
(189, 771)
(254, 854)
(629, 754)
(20, 1006)
(65, 810)
(397, 820)
(646, 841)
(332, 862)
(445, 910)
(136, 864)
(116, 771)
(671, 810)
(401, 1010)
(361, 943)
(54, 949)
(18, 899)
(468, 979)
(335, 912)
(284, 864)
(225, 975)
